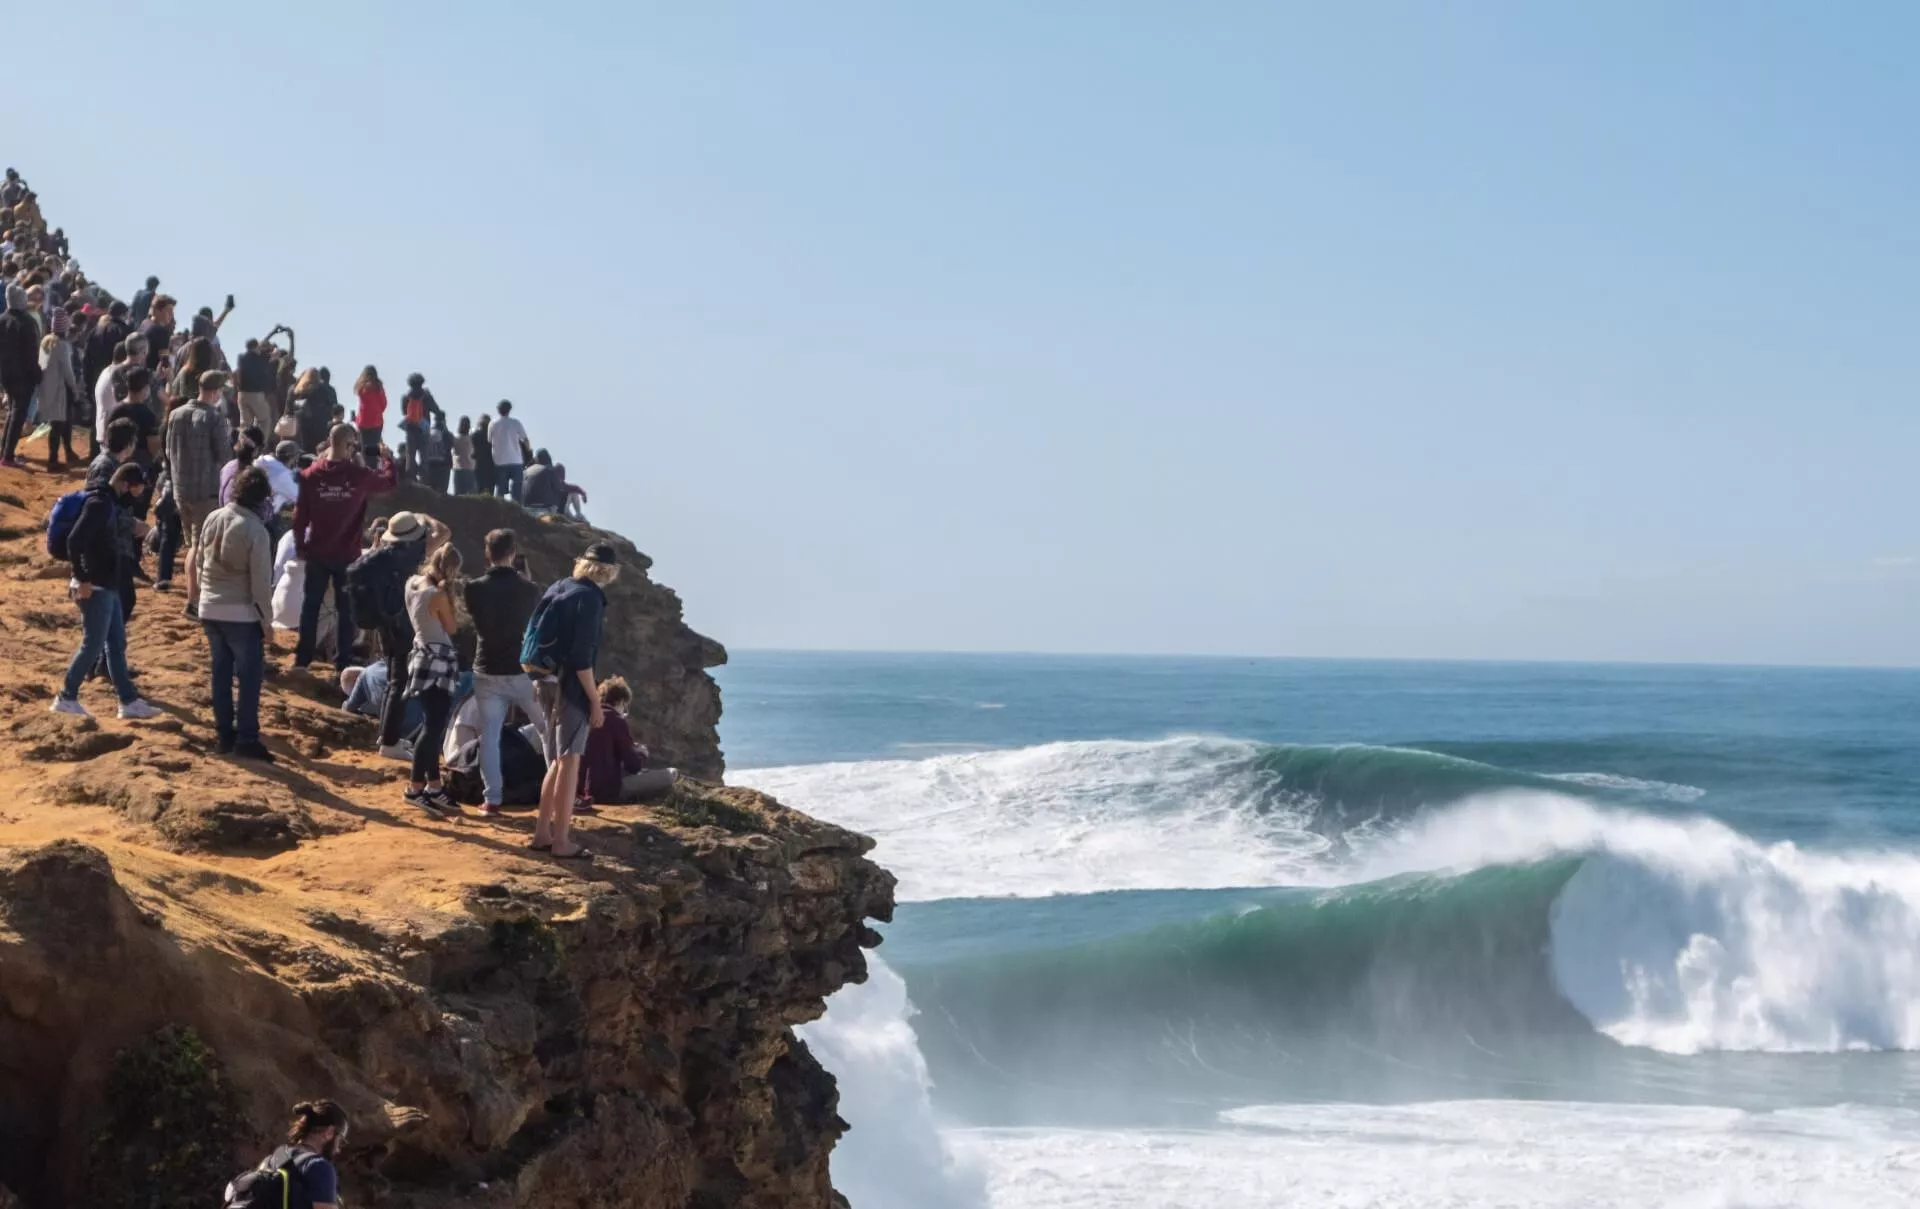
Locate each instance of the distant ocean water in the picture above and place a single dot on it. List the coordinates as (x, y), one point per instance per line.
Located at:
(1200, 932)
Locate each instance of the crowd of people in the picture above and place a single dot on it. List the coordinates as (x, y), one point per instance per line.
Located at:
(256, 477)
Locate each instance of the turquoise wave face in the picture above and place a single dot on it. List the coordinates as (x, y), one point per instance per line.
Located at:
(1440, 966)
(1340, 786)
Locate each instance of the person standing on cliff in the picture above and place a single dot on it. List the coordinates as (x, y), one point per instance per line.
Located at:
(500, 602)
(561, 646)
(508, 441)
(19, 368)
(328, 517)
(198, 444)
(301, 1173)
(93, 547)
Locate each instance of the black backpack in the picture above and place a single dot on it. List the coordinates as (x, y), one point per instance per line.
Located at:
(522, 768)
(267, 1186)
(377, 587)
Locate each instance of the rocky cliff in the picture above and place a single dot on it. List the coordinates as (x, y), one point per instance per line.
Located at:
(189, 944)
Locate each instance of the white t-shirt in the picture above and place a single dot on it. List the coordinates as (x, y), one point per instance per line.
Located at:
(103, 403)
(506, 436)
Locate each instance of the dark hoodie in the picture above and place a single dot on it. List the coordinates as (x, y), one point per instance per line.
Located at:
(93, 544)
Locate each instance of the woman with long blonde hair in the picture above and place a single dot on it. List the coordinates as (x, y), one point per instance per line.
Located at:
(371, 418)
(433, 671)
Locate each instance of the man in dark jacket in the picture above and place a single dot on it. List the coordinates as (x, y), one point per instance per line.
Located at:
(571, 698)
(327, 522)
(19, 367)
(500, 603)
(93, 546)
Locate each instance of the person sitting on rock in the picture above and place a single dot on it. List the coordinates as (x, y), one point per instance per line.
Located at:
(93, 546)
(615, 769)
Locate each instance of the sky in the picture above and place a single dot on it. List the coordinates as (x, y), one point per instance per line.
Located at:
(1491, 330)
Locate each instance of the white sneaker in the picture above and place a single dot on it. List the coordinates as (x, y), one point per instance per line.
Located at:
(62, 705)
(398, 751)
(137, 710)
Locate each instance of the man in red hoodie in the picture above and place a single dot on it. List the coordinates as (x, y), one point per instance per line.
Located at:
(327, 522)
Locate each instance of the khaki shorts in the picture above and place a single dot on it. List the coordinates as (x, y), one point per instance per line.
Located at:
(567, 724)
(193, 518)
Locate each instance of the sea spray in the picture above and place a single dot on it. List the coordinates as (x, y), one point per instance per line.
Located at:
(893, 1154)
(1683, 935)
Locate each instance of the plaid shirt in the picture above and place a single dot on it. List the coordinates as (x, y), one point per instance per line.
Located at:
(432, 665)
(199, 443)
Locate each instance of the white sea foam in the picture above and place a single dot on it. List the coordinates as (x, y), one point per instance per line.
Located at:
(1684, 935)
(1066, 818)
(893, 1154)
(1468, 1154)
(1605, 780)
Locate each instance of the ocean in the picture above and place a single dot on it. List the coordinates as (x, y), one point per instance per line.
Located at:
(1202, 932)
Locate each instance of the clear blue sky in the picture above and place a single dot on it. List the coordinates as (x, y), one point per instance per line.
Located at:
(1460, 330)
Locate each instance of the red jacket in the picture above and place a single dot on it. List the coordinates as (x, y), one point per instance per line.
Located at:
(331, 513)
(373, 410)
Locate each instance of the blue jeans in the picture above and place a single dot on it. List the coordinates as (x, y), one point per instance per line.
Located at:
(506, 481)
(493, 697)
(314, 594)
(238, 649)
(465, 483)
(102, 627)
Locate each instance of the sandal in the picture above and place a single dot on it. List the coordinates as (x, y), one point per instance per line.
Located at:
(578, 854)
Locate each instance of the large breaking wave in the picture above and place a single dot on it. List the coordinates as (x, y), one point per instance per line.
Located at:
(1079, 818)
(1426, 901)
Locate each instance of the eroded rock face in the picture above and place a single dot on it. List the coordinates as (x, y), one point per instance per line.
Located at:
(619, 1041)
(676, 708)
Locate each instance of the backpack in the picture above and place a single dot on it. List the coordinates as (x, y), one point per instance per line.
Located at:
(549, 632)
(522, 768)
(60, 519)
(268, 1185)
(377, 587)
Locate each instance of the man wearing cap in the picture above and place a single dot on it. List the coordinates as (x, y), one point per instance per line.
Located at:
(329, 514)
(198, 444)
(571, 699)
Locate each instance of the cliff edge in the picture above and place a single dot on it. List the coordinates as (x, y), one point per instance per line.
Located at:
(189, 944)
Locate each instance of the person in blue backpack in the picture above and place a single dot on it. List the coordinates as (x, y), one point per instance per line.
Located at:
(562, 643)
(301, 1174)
(93, 547)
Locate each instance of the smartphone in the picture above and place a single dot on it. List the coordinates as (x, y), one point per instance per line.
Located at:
(229, 301)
